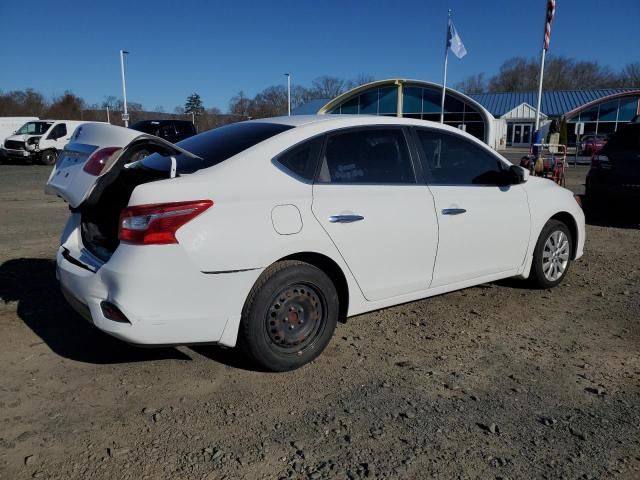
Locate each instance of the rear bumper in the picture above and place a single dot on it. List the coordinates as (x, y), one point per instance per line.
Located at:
(598, 186)
(166, 299)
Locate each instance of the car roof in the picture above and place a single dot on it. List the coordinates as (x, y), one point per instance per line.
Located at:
(352, 120)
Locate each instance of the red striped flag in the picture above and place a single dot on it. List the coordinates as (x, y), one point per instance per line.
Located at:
(551, 12)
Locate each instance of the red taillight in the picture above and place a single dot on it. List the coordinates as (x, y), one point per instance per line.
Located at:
(97, 162)
(157, 223)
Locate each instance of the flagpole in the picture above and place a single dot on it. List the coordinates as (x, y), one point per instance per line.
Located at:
(446, 58)
(544, 51)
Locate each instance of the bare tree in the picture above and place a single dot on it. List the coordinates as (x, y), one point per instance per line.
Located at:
(630, 75)
(240, 105)
(67, 106)
(328, 87)
(473, 84)
(361, 79)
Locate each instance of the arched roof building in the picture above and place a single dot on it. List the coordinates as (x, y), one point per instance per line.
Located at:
(415, 99)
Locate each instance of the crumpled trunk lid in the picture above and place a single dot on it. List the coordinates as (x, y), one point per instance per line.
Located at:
(68, 179)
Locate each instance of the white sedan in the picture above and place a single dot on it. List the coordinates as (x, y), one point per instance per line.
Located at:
(266, 233)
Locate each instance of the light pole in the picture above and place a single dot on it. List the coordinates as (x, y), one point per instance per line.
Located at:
(125, 115)
(288, 75)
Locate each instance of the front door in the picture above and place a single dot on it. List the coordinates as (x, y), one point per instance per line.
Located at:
(380, 219)
(483, 226)
(521, 135)
(517, 135)
(526, 134)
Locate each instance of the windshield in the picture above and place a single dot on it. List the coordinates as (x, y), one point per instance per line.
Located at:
(34, 128)
(213, 146)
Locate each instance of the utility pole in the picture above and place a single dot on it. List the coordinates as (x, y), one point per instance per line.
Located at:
(125, 115)
(288, 75)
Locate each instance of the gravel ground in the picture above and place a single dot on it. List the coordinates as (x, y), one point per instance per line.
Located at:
(495, 381)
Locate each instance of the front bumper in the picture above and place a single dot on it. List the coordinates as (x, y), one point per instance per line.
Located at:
(20, 154)
(166, 299)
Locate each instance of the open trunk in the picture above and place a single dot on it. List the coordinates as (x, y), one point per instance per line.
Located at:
(100, 212)
(100, 220)
(99, 185)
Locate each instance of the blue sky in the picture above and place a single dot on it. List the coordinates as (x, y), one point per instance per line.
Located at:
(218, 48)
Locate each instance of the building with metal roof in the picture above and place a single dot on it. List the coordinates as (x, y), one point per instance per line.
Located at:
(499, 119)
(554, 103)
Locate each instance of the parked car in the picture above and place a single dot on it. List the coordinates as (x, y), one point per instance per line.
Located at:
(40, 140)
(171, 130)
(615, 169)
(267, 232)
(590, 144)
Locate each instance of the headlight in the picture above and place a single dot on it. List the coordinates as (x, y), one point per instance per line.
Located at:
(33, 141)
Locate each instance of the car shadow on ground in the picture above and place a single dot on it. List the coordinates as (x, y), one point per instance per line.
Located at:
(31, 282)
(231, 357)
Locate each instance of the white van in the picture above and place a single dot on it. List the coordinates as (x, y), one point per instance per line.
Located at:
(9, 125)
(40, 140)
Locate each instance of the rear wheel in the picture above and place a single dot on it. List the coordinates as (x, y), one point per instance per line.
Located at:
(552, 255)
(48, 157)
(289, 316)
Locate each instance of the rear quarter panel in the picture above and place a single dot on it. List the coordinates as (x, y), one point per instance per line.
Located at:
(238, 233)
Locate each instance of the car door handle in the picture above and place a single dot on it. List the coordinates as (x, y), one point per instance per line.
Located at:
(345, 218)
(453, 211)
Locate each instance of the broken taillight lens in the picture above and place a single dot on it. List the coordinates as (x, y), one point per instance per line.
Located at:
(157, 223)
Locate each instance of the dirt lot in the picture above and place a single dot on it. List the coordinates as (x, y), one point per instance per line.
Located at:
(495, 381)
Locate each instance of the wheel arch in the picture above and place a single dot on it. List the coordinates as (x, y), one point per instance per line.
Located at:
(333, 271)
(572, 225)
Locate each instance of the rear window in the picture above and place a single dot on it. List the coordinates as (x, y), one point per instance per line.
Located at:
(626, 138)
(214, 146)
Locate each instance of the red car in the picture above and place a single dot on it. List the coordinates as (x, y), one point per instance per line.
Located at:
(590, 144)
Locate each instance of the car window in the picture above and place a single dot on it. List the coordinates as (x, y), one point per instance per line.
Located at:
(452, 160)
(58, 131)
(213, 146)
(302, 159)
(167, 132)
(376, 155)
(184, 128)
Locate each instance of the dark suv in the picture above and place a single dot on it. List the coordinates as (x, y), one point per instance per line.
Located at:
(615, 169)
(171, 130)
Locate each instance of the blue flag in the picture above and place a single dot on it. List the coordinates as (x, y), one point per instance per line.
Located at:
(454, 42)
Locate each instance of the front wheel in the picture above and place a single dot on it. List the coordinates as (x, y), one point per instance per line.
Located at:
(289, 316)
(552, 255)
(48, 157)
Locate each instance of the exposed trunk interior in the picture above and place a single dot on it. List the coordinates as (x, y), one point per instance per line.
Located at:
(100, 214)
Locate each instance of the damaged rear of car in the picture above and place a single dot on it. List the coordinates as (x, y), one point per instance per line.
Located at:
(120, 263)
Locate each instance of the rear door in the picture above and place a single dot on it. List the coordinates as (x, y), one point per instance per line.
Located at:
(381, 220)
(68, 179)
(483, 225)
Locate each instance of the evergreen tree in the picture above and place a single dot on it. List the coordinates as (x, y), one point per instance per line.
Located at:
(194, 104)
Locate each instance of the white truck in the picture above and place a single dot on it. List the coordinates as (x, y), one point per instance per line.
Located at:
(40, 140)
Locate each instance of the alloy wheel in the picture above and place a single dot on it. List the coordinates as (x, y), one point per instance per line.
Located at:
(555, 255)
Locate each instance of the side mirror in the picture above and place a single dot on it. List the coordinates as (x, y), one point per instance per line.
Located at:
(518, 174)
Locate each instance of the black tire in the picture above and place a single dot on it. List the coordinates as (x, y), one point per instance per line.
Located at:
(278, 341)
(49, 157)
(543, 256)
